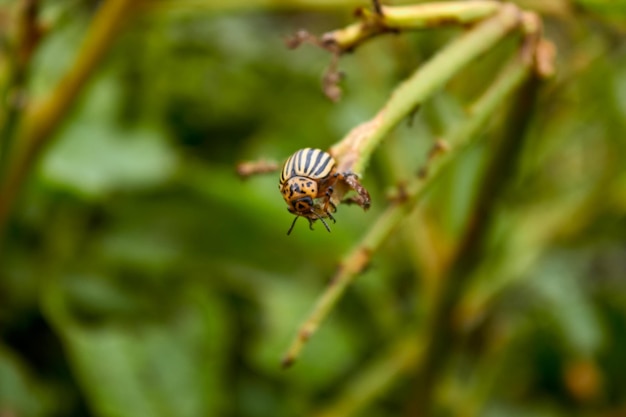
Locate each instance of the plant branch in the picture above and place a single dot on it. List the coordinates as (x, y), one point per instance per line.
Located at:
(28, 33)
(354, 151)
(413, 17)
(528, 241)
(250, 168)
(441, 329)
(195, 6)
(356, 261)
(41, 120)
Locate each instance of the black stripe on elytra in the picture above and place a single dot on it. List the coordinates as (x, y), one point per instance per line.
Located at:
(323, 166)
(307, 165)
(320, 155)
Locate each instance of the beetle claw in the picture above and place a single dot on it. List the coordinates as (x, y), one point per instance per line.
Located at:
(363, 197)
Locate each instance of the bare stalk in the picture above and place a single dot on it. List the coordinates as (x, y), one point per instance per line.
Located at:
(413, 17)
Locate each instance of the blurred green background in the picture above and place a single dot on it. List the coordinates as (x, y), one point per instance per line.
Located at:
(139, 276)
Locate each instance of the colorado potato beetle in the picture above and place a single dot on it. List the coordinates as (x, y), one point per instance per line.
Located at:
(306, 183)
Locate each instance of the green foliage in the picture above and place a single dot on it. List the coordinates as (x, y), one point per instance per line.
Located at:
(139, 276)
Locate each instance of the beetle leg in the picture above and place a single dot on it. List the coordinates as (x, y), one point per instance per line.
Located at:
(310, 223)
(328, 202)
(363, 198)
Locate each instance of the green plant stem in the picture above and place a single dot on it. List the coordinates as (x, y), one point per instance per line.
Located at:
(19, 53)
(527, 241)
(412, 17)
(40, 122)
(194, 6)
(10, 97)
(354, 151)
(535, 229)
(465, 9)
(441, 330)
(511, 77)
(434, 14)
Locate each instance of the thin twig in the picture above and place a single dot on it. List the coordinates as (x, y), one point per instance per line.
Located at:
(438, 148)
(414, 17)
(250, 168)
(510, 78)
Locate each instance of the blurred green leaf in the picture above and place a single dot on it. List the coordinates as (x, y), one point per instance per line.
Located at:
(20, 392)
(170, 282)
(164, 368)
(562, 299)
(96, 155)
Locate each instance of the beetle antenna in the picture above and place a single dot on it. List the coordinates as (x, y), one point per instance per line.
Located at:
(292, 225)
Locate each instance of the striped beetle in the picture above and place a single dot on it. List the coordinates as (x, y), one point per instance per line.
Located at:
(309, 175)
